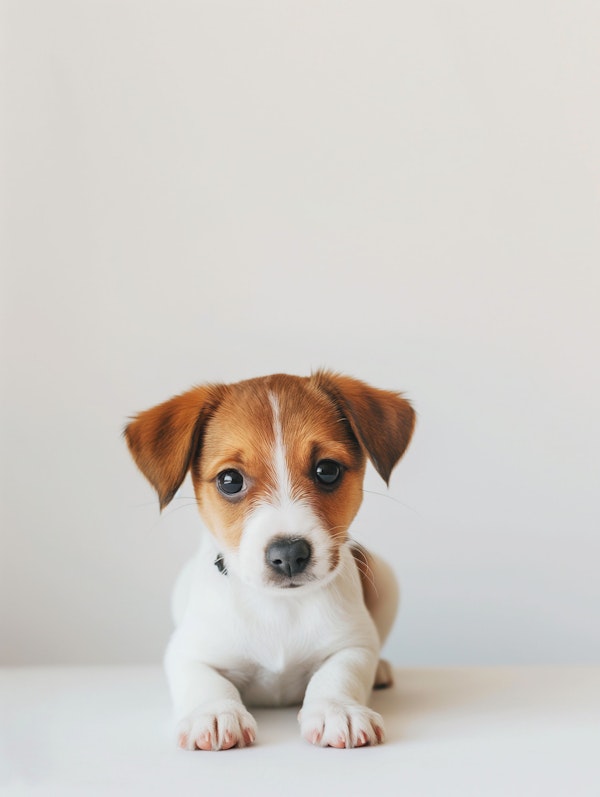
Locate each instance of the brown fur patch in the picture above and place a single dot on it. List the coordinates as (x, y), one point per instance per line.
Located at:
(213, 428)
(164, 439)
(241, 435)
(382, 421)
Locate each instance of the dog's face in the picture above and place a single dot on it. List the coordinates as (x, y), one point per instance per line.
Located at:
(277, 465)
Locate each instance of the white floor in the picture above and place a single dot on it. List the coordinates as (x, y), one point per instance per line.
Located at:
(104, 731)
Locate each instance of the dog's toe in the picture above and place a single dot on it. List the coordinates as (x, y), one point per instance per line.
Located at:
(219, 725)
(333, 724)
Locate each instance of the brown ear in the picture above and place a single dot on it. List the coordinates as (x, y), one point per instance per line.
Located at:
(381, 420)
(162, 440)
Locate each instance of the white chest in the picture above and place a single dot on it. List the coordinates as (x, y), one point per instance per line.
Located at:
(278, 650)
(267, 645)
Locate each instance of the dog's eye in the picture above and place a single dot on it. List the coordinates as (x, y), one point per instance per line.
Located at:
(328, 472)
(230, 482)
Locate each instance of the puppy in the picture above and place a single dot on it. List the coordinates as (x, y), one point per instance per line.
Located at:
(278, 607)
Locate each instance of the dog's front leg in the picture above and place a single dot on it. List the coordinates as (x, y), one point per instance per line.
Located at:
(209, 709)
(334, 713)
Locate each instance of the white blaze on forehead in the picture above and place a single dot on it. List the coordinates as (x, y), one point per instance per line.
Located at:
(280, 515)
(283, 485)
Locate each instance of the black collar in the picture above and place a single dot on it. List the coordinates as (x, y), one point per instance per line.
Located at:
(220, 564)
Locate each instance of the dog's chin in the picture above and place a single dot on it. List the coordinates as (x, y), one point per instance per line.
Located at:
(290, 588)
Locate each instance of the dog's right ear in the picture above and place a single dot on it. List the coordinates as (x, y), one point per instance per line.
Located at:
(163, 440)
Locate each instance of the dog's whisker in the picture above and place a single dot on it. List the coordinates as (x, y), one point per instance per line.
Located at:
(370, 576)
(392, 498)
(173, 509)
(362, 561)
(176, 498)
(334, 529)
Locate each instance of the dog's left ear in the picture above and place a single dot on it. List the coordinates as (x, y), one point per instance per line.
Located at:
(164, 439)
(381, 420)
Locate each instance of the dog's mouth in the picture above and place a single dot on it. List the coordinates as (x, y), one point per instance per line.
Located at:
(307, 581)
(294, 582)
(280, 584)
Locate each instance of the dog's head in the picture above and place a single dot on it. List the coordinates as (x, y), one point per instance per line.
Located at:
(277, 465)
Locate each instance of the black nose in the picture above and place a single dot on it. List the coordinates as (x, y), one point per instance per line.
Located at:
(288, 557)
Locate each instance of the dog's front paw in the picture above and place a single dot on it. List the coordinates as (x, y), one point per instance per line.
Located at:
(334, 724)
(217, 725)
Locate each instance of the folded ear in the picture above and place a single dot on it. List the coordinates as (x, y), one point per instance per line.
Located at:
(381, 420)
(163, 440)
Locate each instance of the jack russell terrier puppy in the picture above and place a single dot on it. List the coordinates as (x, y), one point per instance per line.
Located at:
(279, 606)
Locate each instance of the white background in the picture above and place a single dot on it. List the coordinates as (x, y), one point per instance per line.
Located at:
(407, 192)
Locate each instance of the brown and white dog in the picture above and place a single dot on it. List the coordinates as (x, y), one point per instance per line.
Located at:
(278, 607)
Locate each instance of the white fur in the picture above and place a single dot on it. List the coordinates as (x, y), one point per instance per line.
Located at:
(240, 638)
(282, 474)
(265, 524)
(238, 644)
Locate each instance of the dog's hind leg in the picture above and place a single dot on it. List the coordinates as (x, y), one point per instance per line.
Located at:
(381, 595)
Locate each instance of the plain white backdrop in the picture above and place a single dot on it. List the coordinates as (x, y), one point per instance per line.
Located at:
(408, 193)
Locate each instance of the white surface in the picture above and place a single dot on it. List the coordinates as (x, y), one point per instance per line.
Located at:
(506, 732)
(406, 191)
